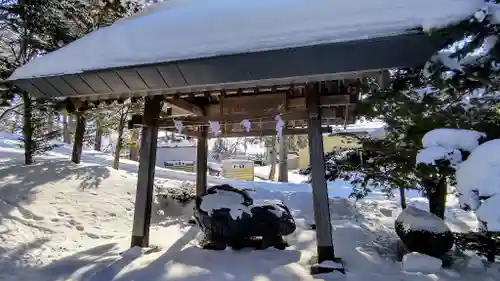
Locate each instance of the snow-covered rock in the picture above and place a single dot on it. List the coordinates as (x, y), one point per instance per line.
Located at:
(423, 232)
(417, 262)
(413, 218)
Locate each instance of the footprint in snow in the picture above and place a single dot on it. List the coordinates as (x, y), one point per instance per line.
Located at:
(62, 214)
(92, 235)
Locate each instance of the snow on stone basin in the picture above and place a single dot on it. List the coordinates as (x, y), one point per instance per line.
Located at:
(179, 29)
(452, 139)
(223, 199)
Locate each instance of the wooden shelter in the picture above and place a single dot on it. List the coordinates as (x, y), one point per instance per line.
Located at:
(310, 85)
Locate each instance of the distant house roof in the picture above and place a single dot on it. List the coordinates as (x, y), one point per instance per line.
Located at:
(363, 128)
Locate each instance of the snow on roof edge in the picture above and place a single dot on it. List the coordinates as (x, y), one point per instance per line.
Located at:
(207, 28)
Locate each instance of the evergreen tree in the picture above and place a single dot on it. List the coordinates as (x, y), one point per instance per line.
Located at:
(457, 88)
(30, 29)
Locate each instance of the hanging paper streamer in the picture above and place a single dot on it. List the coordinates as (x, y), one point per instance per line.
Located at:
(178, 126)
(215, 127)
(279, 125)
(246, 124)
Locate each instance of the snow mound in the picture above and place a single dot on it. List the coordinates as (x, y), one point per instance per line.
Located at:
(416, 262)
(466, 140)
(180, 30)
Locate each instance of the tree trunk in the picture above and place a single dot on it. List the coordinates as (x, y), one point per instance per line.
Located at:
(402, 195)
(78, 143)
(50, 123)
(118, 148)
(29, 145)
(283, 153)
(272, 154)
(436, 193)
(66, 134)
(119, 142)
(98, 136)
(134, 146)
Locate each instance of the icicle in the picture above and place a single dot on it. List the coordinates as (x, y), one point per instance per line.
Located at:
(178, 126)
(246, 124)
(215, 127)
(279, 125)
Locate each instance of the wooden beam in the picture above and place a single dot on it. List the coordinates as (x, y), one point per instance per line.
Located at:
(319, 187)
(236, 119)
(181, 105)
(201, 161)
(275, 103)
(256, 133)
(145, 176)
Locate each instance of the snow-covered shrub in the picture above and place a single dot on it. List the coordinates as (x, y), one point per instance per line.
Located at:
(481, 243)
(423, 232)
(478, 181)
(183, 194)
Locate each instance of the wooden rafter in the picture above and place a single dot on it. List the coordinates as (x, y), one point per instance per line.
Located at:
(184, 106)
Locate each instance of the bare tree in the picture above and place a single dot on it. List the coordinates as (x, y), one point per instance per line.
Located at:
(272, 155)
(122, 114)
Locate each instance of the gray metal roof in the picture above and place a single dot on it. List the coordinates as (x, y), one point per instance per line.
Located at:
(259, 69)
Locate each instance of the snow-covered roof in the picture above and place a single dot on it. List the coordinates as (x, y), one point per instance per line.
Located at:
(360, 127)
(178, 30)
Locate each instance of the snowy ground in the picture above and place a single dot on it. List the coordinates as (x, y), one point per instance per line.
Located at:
(61, 221)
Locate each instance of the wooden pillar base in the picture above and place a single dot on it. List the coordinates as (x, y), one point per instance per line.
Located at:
(327, 266)
(139, 241)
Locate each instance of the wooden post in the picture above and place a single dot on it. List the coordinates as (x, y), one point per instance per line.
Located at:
(283, 153)
(145, 177)
(76, 155)
(320, 191)
(201, 162)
